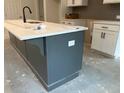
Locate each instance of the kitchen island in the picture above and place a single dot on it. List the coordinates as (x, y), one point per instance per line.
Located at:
(53, 53)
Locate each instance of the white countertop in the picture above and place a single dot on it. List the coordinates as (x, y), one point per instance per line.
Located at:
(25, 31)
(107, 22)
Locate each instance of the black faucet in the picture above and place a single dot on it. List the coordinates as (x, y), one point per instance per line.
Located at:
(24, 18)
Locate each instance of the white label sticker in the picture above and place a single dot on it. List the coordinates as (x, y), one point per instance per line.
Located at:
(71, 43)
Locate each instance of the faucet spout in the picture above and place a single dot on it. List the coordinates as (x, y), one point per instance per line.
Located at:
(24, 18)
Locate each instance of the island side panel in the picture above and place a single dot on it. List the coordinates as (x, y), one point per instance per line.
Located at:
(34, 51)
(21, 47)
(36, 57)
(18, 44)
(63, 60)
(13, 39)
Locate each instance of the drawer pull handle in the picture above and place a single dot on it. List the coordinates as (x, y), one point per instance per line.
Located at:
(102, 35)
(104, 27)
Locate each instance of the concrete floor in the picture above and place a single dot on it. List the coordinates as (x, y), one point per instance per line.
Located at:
(99, 74)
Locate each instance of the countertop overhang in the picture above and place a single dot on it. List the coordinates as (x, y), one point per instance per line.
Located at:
(25, 31)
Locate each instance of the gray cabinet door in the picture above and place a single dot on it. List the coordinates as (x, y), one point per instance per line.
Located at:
(62, 59)
(36, 56)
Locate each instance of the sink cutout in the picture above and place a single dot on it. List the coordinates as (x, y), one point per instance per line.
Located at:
(33, 22)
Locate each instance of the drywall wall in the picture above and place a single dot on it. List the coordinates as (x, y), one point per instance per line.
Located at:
(51, 10)
(64, 9)
(97, 10)
(13, 9)
(33, 4)
(41, 9)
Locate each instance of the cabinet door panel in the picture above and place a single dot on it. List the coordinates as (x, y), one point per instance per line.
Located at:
(111, 1)
(70, 2)
(78, 2)
(109, 42)
(73, 3)
(97, 40)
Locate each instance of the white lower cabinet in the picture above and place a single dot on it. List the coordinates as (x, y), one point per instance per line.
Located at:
(105, 40)
(97, 40)
(109, 42)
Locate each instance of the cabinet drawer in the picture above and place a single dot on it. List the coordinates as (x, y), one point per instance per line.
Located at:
(105, 31)
(107, 27)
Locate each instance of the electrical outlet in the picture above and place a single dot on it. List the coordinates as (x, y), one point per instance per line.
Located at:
(71, 43)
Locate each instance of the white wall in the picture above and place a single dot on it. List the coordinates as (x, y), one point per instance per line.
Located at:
(88, 33)
(33, 4)
(41, 9)
(51, 10)
(54, 10)
(64, 9)
(13, 9)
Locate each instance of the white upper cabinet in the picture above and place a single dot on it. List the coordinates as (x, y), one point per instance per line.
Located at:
(73, 3)
(110, 1)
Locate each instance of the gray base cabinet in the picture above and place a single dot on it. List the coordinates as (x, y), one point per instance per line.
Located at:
(54, 59)
(18, 44)
(35, 55)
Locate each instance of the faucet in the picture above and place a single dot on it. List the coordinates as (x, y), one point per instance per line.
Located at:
(24, 18)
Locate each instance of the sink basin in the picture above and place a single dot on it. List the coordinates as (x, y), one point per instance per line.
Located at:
(34, 22)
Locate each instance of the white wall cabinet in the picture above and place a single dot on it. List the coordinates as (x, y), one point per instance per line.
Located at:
(105, 38)
(110, 1)
(73, 3)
